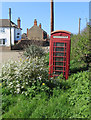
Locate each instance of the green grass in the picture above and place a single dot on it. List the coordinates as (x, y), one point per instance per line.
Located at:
(72, 101)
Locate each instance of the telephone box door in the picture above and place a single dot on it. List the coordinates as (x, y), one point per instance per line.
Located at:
(59, 57)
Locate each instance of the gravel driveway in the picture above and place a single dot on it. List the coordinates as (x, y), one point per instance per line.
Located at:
(6, 55)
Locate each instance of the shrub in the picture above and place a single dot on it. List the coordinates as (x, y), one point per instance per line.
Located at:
(25, 76)
(47, 58)
(34, 51)
(28, 77)
(80, 49)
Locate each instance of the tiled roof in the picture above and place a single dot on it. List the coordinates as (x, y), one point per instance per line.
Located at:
(37, 27)
(6, 23)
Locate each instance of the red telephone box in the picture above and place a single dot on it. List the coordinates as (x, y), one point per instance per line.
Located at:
(59, 56)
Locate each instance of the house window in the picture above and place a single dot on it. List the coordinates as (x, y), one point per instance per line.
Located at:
(2, 41)
(18, 33)
(17, 36)
(2, 30)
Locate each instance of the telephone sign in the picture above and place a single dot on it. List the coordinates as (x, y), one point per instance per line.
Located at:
(59, 56)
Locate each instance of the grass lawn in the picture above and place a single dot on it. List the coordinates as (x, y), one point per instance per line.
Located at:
(71, 101)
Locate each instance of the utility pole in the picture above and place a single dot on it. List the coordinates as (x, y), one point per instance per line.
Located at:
(52, 16)
(90, 22)
(79, 24)
(86, 22)
(10, 27)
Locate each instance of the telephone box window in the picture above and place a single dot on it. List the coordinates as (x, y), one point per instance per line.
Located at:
(57, 73)
(54, 44)
(59, 54)
(60, 44)
(59, 63)
(58, 68)
(59, 49)
(58, 59)
(64, 59)
(64, 63)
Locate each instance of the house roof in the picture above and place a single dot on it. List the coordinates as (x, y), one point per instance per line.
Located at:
(6, 23)
(37, 27)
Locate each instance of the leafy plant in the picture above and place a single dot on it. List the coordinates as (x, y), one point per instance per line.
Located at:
(24, 76)
(34, 51)
(80, 49)
(72, 102)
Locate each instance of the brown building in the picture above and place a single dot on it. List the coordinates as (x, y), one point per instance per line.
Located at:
(36, 32)
(24, 36)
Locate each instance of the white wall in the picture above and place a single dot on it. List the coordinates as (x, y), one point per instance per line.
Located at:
(6, 35)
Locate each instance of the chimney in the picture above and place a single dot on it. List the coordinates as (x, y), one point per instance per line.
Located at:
(40, 25)
(18, 22)
(52, 16)
(27, 32)
(35, 22)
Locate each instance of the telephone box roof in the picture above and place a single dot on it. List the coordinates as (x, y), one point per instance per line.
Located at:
(60, 31)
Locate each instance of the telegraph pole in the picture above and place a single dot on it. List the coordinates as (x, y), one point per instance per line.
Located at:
(52, 16)
(86, 22)
(10, 27)
(79, 24)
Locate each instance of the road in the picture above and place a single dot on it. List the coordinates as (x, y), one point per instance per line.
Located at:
(7, 55)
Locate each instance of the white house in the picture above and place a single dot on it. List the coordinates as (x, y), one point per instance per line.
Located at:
(5, 32)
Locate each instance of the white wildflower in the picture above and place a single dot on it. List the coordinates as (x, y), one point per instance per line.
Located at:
(27, 83)
(10, 83)
(22, 87)
(18, 90)
(18, 85)
(40, 78)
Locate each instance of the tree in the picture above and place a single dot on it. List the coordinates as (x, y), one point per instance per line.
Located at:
(82, 46)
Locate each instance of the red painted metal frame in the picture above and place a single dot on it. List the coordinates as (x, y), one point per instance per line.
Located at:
(52, 55)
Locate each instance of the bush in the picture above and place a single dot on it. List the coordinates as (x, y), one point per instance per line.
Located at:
(28, 77)
(34, 51)
(80, 49)
(25, 76)
(47, 58)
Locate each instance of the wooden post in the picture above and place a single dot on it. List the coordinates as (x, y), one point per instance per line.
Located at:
(52, 16)
(79, 24)
(10, 27)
